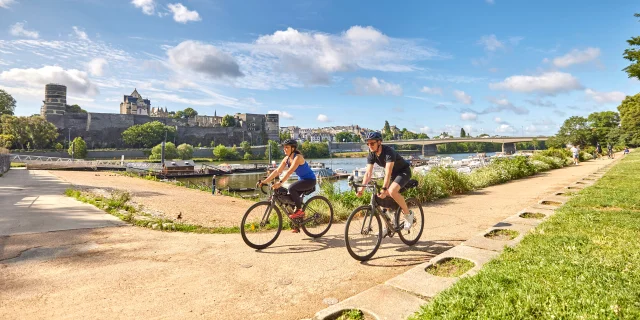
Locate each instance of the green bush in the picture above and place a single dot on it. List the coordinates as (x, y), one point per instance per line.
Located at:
(78, 148)
(170, 152)
(454, 181)
(556, 152)
(185, 151)
(430, 187)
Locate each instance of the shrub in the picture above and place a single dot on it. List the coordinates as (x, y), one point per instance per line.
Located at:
(170, 151)
(185, 151)
(78, 148)
(454, 181)
(556, 152)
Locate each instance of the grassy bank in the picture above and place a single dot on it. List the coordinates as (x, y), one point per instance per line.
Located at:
(350, 154)
(118, 204)
(583, 263)
(442, 182)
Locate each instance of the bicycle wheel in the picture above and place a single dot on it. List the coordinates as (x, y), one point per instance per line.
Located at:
(261, 225)
(319, 208)
(363, 233)
(411, 236)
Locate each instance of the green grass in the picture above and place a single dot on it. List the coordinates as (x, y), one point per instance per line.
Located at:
(118, 205)
(450, 267)
(18, 165)
(532, 215)
(502, 234)
(353, 314)
(582, 263)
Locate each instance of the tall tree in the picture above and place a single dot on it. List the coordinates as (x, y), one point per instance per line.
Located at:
(74, 109)
(630, 118)
(387, 127)
(228, 121)
(7, 103)
(344, 137)
(147, 135)
(633, 54)
(185, 151)
(576, 130)
(462, 133)
(602, 123)
(285, 136)
(190, 113)
(17, 128)
(41, 132)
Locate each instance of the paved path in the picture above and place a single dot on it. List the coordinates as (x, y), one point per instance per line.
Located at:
(128, 272)
(34, 201)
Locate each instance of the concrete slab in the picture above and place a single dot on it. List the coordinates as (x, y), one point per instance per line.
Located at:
(27, 209)
(382, 302)
(482, 242)
(418, 281)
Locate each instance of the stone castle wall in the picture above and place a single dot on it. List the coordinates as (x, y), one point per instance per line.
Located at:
(104, 130)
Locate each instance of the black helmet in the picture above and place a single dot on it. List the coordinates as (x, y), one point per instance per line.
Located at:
(290, 142)
(374, 135)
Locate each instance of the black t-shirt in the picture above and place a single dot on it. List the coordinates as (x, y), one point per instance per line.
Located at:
(389, 155)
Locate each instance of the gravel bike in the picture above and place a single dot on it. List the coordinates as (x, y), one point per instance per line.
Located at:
(262, 223)
(363, 231)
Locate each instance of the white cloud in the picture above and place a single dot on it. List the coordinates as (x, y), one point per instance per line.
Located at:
(6, 3)
(323, 118)
(491, 43)
(499, 120)
(426, 129)
(505, 128)
(77, 81)
(313, 57)
(282, 114)
(203, 58)
(433, 90)
(80, 34)
(468, 116)
(462, 97)
(541, 103)
(550, 83)
(502, 105)
(490, 1)
(18, 30)
(576, 57)
(454, 79)
(183, 15)
(605, 97)
(96, 66)
(148, 6)
(373, 86)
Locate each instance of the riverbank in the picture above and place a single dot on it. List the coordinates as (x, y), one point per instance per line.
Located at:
(584, 262)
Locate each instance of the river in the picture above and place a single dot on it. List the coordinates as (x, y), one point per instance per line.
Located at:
(248, 180)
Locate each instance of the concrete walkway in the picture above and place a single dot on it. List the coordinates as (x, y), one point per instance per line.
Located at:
(34, 202)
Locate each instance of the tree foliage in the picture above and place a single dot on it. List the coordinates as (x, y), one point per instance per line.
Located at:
(633, 54)
(462, 133)
(276, 153)
(630, 118)
(228, 121)
(74, 109)
(224, 153)
(185, 151)
(147, 135)
(314, 150)
(35, 131)
(7, 103)
(78, 148)
(170, 152)
(284, 136)
(347, 137)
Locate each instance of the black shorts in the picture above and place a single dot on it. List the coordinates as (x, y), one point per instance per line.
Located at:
(402, 177)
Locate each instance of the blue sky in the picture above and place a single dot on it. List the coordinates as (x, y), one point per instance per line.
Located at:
(498, 67)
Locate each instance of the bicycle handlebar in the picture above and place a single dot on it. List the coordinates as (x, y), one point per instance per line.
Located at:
(261, 187)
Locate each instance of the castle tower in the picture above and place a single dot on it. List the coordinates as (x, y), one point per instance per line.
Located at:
(55, 99)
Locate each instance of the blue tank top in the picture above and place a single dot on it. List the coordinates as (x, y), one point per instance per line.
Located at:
(303, 171)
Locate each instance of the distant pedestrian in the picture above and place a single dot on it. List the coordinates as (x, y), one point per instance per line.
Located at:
(626, 150)
(575, 152)
(213, 185)
(599, 151)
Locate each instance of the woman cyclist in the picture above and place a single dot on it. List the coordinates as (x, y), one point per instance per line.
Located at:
(306, 178)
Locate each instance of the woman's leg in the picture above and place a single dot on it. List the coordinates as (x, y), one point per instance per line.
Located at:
(296, 188)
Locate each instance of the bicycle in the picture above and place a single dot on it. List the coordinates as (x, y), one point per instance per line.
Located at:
(360, 237)
(262, 223)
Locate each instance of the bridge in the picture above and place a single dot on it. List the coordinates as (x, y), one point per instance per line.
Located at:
(429, 146)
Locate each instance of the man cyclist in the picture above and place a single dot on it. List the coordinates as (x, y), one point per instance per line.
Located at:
(610, 150)
(306, 178)
(397, 173)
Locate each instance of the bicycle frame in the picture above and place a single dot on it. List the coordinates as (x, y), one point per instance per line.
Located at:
(275, 201)
(374, 209)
